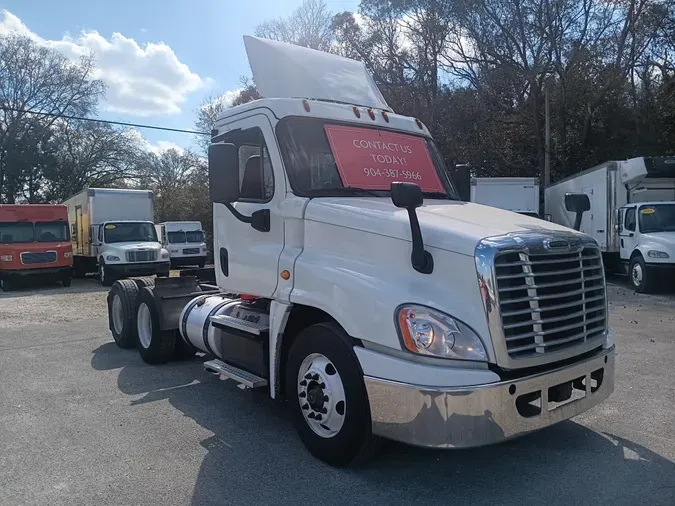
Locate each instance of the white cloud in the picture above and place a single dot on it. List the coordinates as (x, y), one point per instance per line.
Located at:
(226, 99)
(135, 136)
(142, 81)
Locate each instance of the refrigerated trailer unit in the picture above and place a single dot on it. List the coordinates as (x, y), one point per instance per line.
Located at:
(352, 281)
(517, 194)
(113, 233)
(632, 215)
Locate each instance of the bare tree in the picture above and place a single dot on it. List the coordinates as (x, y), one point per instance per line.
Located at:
(309, 25)
(37, 79)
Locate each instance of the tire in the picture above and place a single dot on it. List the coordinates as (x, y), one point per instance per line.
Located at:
(103, 275)
(154, 345)
(6, 284)
(67, 281)
(639, 275)
(325, 347)
(123, 301)
(201, 264)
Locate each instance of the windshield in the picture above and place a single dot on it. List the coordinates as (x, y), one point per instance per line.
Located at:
(51, 231)
(195, 236)
(16, 232)
(657, 218)
(129, 232)
(176, 237)
(328, 159)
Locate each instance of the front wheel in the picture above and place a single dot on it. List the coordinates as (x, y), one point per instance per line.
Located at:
(640, 278)
(6, 284)
(104, 275)
(328, 398)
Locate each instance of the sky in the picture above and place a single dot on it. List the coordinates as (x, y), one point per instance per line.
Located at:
(160, 59)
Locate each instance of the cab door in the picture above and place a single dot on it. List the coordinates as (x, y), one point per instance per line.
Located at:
(247, 259)
(628, 232)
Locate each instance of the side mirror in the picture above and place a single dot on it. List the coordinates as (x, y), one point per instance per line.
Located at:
(618, 226)
(577, 203)
(409, 196)
(406, 195)
(223, 173)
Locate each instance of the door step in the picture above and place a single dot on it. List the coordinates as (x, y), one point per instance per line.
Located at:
(226, 322)
(229, 371)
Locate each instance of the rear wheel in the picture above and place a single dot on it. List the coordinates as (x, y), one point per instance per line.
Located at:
(154, 345)
(325, 388)
(67, 281)
(122, 312)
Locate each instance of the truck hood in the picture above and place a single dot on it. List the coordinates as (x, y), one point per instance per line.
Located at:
(446, 224)
(129, 246)
(660, 241)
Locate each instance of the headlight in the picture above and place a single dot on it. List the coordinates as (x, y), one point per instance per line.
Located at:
(165, 254)
(657, 254)
(68, 254)
(112, 258)
(6, 258)
(430, 332)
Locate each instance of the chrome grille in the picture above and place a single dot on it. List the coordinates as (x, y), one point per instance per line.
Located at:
(38, 257)
(191, 251)
(142, 255)
(550, 301)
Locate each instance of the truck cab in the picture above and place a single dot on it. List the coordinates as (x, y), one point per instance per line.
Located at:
(127, 248)
(647, 241)
(185, 242)
(353, 282)
(34, 241)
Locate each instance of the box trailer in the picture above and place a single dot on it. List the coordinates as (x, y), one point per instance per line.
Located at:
(184, 241)
(113, 233)
(631, 216)
(517, 194)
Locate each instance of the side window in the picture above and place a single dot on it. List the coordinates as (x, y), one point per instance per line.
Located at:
(630, 219)
(256, 178)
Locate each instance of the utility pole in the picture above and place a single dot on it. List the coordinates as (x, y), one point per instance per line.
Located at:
(547, 140)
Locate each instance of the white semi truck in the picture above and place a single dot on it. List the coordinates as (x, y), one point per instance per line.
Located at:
(184, 240)
(631, 216)
(113, 233)
(517, 194)
(352, 281)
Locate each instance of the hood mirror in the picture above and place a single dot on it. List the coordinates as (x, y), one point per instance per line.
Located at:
(409, 196)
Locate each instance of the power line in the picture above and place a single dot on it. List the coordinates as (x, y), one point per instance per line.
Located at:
(108, 122)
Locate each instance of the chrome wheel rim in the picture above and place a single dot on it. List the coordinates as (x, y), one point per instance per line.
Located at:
(321, 395)
(144, 325)
(117, 314)
(637, 274)
(101, 273)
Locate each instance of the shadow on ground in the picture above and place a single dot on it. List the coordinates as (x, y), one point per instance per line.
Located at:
(255, 457)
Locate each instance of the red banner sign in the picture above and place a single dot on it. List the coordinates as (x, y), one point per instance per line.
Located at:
(373, 159)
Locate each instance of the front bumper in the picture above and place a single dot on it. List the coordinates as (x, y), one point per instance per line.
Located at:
(64, 271)
(138, 269)
(485, 414)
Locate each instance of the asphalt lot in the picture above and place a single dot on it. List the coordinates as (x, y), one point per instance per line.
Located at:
(83, 422)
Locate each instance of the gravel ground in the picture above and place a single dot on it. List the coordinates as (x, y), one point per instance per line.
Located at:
(83, 422)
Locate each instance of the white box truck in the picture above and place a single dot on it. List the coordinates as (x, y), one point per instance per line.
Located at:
(352, 281)
(517, 194)
(113, 233)
(184, 240)
(632, 215)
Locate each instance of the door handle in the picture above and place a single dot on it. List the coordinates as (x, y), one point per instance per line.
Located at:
(224, 266)
(622, 242)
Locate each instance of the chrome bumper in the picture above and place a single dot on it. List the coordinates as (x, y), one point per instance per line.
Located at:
(484, 414)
